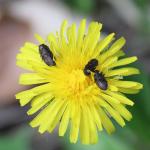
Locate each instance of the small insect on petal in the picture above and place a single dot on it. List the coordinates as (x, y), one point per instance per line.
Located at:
(46, 54)
(100, 80)
(90, 66)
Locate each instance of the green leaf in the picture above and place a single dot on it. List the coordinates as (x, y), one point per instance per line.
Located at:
(106, 142)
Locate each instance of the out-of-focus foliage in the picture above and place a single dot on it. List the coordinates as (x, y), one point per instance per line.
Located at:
(81, 6)
(17, 140)
(105, 143)
(144, 7)
(142, 4)
(141, 111)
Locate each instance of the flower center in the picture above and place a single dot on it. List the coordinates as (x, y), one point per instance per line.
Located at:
(77, 81)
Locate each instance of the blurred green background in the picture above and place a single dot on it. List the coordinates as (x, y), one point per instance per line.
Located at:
(19, 19)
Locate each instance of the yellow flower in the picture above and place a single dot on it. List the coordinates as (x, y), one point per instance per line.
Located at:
(66, 96)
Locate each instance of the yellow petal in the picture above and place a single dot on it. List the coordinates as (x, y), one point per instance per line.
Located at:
(64, 121)
(109, 99)
(113, 49)
(57, 118)
(40, 118)
(128, 91)
(103, 44)
(124, 61)
(119, 54)
(108, 63)
(96, 117)
(123, 71)
(81, 32)
(99, 101)
(94, 38)
(39, 101)
(84, 126)
(126, 84)
(75, 123)
(106, 122)
(27, 95)
(52, 40)
(31, 45)
(39, 38)
(114, 114)
(53, 111)
(24, 64)
(31, 78)
(121, 98)
(40, 68)
(93, 130)
(62, 35)
(71, 35)
(112, 88)
(91, 38)
(123, 111)
(29, 56)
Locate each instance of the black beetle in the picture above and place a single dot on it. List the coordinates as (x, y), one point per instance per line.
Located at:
(100, 80)
(90, 66)
(46, 54)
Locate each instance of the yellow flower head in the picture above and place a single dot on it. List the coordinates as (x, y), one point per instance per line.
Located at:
(71, 92)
